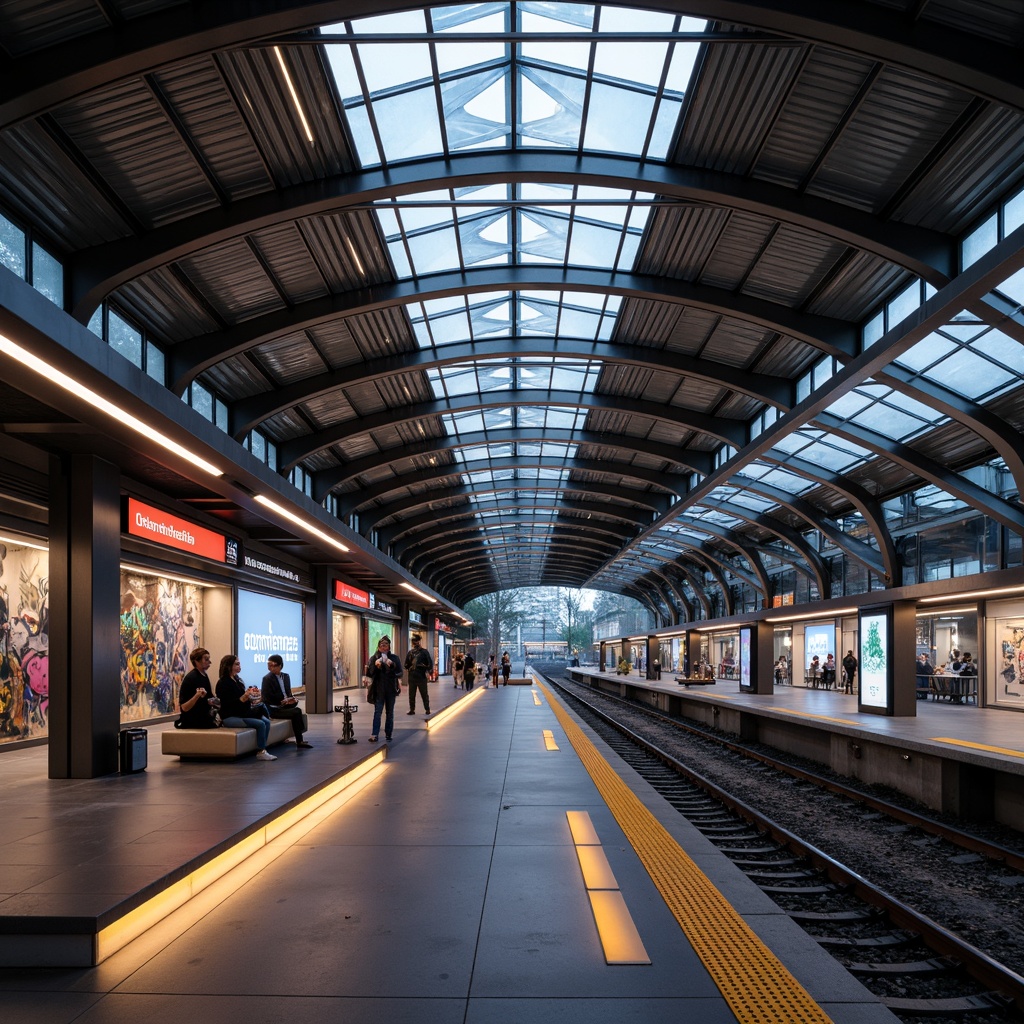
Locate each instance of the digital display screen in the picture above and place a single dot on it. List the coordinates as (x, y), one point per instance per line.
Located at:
(820, 641)
(745, 658)
(269, 625)
(874, 659)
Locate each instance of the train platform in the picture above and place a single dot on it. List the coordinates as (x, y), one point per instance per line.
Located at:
(494, 862)
(960, 759)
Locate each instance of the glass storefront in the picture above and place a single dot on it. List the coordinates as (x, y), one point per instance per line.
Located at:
(25, 642)
(946, 633)
(1004, 648)
(161, 621)
(345, 655)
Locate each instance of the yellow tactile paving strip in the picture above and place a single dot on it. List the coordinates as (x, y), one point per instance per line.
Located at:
(752, 980)
(978, 746)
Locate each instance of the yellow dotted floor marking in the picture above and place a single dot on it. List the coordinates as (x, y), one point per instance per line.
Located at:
(752, 980)
(978, 746)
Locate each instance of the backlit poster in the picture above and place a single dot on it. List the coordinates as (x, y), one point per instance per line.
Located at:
(874, 660)
(745, 658)
(269, 625)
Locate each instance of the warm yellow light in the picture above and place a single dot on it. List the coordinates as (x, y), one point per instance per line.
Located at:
(299, 521)
(235, 867)
(294, 94)
(419, 593)
(582, 828)
(449, 712)
(597, 872)
(19, 543)
(156, 574)
(619, 938)
(972, 593)
(79, 390)
(812, 615)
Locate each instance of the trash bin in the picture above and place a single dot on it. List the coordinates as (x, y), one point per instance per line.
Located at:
(134, 755)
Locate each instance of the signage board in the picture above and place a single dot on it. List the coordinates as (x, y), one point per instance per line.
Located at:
(268, 625)
(170, 531)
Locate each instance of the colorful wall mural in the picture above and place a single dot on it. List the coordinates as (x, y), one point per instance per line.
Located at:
(161, 621)
(24, 642)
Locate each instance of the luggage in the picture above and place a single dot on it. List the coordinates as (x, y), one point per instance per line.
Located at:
(134, 753)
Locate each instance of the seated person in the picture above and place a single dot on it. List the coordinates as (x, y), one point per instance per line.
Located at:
(828, 672)
(277, 695)
(196, 701)
(242, 706)
(623, 667)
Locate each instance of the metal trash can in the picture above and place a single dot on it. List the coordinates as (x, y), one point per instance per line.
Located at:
(134, 752)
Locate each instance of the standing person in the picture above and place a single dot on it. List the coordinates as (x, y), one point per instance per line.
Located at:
(196, 701)
(238, 704)
(850, 665)
(492, 669)
(781, 671)
(506, 667)
(469, 671)
(419, 664)
(385, 673)
(656, 669)
(277, 695)
(458, 668)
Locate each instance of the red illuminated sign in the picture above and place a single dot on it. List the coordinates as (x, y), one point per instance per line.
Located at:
(351, 595)
(161, 527)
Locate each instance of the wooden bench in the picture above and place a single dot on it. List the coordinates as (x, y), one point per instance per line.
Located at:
(225, 743)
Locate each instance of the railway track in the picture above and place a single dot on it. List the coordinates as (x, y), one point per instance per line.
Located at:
(919, 968)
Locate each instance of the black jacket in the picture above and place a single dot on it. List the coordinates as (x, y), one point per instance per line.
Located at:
(275, 688)
(386, 676)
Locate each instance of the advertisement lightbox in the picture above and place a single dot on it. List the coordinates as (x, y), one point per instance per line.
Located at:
(269, 625)
(875, 668)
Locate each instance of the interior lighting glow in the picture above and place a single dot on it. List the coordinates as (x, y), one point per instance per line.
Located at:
(79, 390)
(972, 593)
(812, 615)
(418, 593)
(18, 543)
(299, 521)
(157, 575)
(294, 94)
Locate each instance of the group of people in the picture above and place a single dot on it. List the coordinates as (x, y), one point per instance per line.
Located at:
(383, 675)
(962, 665)
(464, 669)
(824, 674)
(230, 703)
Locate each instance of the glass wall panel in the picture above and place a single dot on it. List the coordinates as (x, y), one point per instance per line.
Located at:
(24, 640)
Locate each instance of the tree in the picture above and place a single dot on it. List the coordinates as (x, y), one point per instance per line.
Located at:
(495, 619)
(575, 623)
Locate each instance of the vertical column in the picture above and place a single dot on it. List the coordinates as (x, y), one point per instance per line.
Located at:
(904, 658)
(85, 560)
(762, 650)
(319, 645)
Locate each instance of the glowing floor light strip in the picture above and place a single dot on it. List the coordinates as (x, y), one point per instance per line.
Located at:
(620, 940)
(448, 713)
(237, 865)
(79, 390)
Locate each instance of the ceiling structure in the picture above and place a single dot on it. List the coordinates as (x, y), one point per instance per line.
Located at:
(553, 294)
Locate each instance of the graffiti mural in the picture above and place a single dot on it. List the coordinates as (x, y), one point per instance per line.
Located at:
(161, 621)
(24, 642)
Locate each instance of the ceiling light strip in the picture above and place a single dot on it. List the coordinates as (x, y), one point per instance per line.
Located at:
(79, 390)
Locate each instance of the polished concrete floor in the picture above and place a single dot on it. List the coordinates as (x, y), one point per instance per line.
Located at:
(446, 890)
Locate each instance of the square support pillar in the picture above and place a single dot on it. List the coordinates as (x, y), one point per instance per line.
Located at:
(85, 587)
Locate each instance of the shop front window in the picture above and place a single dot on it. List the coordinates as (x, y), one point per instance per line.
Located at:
(1004, 648)
(344, 650)
(25, 642)
(161, 623)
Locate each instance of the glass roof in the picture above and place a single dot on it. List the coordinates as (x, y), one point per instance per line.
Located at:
(969, 358)
(520, 374)
(515, 224)
(451, 79)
